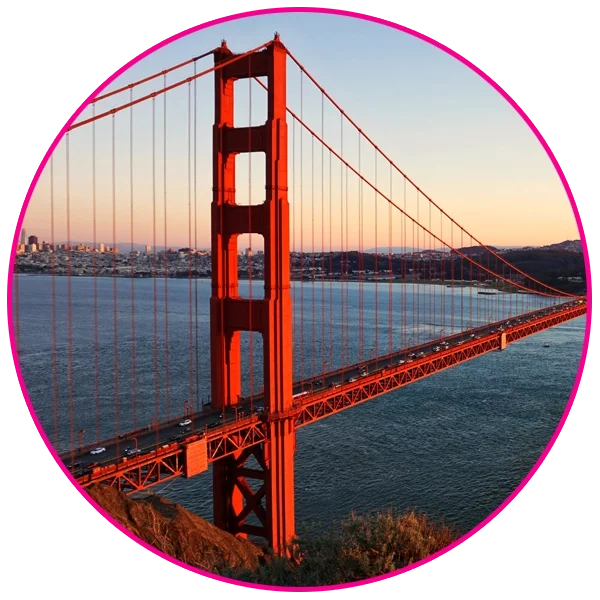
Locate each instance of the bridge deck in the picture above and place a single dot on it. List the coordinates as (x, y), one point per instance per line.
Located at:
(165, 450)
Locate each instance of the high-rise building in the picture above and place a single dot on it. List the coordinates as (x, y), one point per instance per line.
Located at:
(148, 249)
(102, 247)
(248, 252)
(23, 236)
(32, 240)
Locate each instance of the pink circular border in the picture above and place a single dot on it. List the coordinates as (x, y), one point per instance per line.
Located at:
(447, 51)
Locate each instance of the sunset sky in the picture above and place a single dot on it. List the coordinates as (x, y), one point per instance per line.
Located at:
(444, 126)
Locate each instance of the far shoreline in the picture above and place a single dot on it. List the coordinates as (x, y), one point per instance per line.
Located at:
(447, 283)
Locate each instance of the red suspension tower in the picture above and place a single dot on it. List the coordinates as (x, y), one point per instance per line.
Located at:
(265, 509)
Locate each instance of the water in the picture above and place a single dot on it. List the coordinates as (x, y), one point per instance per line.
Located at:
(454, 445)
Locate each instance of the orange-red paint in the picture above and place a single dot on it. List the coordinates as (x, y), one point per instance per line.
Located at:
(271, 316)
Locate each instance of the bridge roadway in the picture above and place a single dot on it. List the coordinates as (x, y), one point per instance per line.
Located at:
(133, 446)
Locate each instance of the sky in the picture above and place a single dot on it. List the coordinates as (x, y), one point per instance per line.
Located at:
(457, 138)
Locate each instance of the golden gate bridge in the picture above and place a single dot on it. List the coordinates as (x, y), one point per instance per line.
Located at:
(327, 186)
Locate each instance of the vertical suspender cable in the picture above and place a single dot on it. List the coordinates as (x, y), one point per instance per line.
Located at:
(166, 255)
(418, 247)
(114, 274)
(132, 259)
(250, 258)
(342, 266)
(322, 235)
(361, 314)
(195, 168)
(189, 251)
(301, 229)
(376, 273)
(95, 280)
(390, 268)
(53, 310)
(404, 267)
(312, 229)
(155, 272)
(330, 265)
(69, 303)
(293, 259)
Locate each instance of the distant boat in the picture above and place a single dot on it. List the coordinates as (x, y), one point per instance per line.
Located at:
(546, 345)
(487, 293)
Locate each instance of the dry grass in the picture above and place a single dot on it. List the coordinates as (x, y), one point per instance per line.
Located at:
(360, 548)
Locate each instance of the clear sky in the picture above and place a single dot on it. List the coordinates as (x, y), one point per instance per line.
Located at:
(453, 134)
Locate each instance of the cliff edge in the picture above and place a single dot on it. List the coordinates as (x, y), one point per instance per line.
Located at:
(177, 532)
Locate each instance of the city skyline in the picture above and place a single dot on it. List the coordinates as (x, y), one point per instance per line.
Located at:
(138, 246)
(453, 134)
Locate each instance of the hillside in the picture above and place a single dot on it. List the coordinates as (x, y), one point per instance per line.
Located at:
(176, 531)
(358, 548)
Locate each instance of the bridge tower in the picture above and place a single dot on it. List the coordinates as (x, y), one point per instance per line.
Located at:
(266, 508)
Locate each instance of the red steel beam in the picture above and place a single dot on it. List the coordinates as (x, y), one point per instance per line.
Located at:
(331, 401)
(159, 465)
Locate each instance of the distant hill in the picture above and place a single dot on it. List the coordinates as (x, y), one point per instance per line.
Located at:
(476, 250)
(383, 249)
(568, 245)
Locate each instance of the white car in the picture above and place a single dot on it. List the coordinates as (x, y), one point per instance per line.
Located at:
(185, 422)
(132, 451)
(98, 450)
(436, 348)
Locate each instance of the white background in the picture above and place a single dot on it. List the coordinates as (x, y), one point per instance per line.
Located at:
(52, 53)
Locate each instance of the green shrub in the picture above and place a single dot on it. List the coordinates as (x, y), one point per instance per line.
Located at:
(359, 548)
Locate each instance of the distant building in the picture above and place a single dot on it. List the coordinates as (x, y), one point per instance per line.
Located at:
(23, 236)
(31, 248)
(148, 249)
(248, 252)
(32, 240)
(102, 247)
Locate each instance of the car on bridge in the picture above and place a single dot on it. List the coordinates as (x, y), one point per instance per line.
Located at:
(185, 422)
(132, 451)
(98, 450)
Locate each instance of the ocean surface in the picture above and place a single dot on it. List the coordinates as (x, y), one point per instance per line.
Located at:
(454, 445)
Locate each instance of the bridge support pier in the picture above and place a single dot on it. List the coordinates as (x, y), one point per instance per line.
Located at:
(272, 503)
(503, 343)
